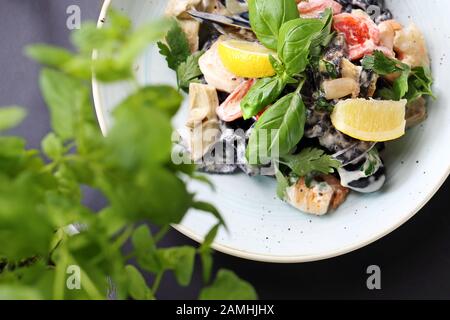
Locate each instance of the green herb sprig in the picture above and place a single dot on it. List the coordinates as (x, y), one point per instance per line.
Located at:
(412, 83)
(297, 39)
(179, 57)
(41, 193)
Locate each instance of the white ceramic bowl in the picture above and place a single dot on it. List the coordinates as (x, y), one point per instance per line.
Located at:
(264, 228)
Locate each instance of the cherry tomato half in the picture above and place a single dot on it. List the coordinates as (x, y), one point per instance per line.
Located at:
(361, 33)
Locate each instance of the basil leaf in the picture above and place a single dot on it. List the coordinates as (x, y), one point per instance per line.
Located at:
(295, 41)
(325, 36)
(267, 17)
(264, 92)
(279, 129)
(277, 65)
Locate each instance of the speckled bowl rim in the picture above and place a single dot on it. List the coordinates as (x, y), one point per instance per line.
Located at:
(264, 257)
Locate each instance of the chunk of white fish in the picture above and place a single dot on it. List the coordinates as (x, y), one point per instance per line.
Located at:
(202, 120)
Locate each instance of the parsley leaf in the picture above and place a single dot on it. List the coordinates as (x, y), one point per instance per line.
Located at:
(381, 64)
(189, 71)
(177, 49)
(311, 160)
(179, 57)
(419, 83)
(412, 83)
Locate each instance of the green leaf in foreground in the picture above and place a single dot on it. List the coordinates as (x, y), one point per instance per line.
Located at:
(11, 117)
(145, 250)
(153, 147)
(207, 207)
(161, 97)
(136, 42)
(18, 292)
(181, 261)
(206, 252)
(52, 146)
(65, 97)
(49, 55)
(228, 286)
(311, 160)
(137, 287)
(131, 169)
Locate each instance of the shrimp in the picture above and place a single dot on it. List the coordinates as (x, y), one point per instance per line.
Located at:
(411, 48)
(215, 72)
(313, 8)
(387, 30)
(230, 109)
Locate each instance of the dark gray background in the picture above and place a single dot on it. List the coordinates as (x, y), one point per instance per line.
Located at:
(415, 259)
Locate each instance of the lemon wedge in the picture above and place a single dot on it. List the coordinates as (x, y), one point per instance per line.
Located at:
(246, 59)
(370, 120)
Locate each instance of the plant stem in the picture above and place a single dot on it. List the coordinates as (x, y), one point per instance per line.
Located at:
(157, 282)
(60, 272)
(300, 85)
(161, 233)
(88, 285)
